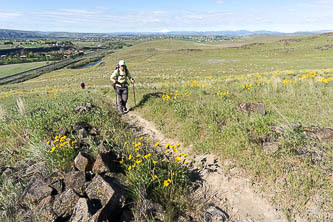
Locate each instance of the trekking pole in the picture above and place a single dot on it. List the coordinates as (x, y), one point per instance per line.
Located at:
(134, 94)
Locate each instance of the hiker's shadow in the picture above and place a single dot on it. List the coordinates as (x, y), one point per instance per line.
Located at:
(146, 97)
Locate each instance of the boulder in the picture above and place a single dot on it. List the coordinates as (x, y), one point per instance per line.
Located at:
(252, 107)
(215, 214)
(36, 190)
(75, 180)
(82, 162)
(321, 134)
(44, 210)
(270, 147)
(64, 205)
(102, 163)
(106, 194)
(81, 125)
(81, 211)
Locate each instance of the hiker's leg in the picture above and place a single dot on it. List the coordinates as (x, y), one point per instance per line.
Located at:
(119, 95)
(125, 97)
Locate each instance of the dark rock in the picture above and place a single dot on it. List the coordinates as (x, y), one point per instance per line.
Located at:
(101, 164)
(93, 132)
(63, 132)
(321, 134)
(148, 208)
(83, 133)
(37, 168)
(106, 194)
(270, 147)
(215, 214)
(82, 162)
(36, 190)
(81, 125)
(44, 210)
(75, 180)
(64, 205)
(252, 107)
(84, 107)
(81, 211)
(126, 215)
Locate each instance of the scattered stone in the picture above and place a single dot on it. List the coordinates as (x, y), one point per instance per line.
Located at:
(252, 107)
(84, 107)
(148, 208)
(102, 163)
(63, 132)
(270, 147)
(36, 190)
(36, 168)
(107, 194)
(81, 125)
(322, 134)
(64, 205)
(44, 208)
(75, 180)
(81, 211)
(82, 162)
(215, 214)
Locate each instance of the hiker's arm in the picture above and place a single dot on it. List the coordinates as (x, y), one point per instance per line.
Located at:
(130, 77)
(113, 77)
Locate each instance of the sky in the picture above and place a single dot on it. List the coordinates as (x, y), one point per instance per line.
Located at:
(107, 16)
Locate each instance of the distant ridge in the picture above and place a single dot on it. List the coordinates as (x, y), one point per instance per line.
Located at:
(11, 34)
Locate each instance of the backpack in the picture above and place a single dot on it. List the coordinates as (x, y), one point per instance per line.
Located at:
(118, 69)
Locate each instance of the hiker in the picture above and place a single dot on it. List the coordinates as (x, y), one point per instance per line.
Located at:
(119, 77)
(83, 86)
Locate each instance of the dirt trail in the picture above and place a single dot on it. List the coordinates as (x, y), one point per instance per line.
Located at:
(233, 193)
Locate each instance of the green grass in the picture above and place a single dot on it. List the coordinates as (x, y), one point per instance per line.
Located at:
(6, 70)
(293, 78)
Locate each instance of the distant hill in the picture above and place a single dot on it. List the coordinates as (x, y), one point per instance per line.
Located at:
(9, 34)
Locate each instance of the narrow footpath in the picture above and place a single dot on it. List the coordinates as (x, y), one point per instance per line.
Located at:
(233, 193)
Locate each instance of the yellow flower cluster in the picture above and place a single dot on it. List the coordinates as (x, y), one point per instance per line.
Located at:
(223, 93)
(174, 95)
(59, 143)
(140, 157)
(246, 86)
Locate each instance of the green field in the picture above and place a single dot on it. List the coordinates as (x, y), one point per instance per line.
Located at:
(6, 70)
(191, 92)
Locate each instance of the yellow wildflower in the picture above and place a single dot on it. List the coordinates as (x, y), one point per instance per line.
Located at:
(167, 182)
(185, 155)
(136, 150)
(53, 149)
(147, 139)
(130, 167)
(125, 143)
(178, 159)
(186, 162)
(138, 156)
(157, 144)
(175, 150)
(121, 161)
(148, 155)
(155, 161)
(48, 142)
(130, 157)
(167, 146)
(141, 138)
(138, 144)
(138, 161)
(154, 177)
(134, 165)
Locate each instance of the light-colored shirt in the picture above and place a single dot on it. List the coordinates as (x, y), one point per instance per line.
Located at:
(122, 78)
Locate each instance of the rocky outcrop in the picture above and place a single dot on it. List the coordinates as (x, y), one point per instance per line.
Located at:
(252, 107)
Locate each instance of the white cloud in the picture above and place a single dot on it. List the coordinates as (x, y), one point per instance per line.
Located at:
(219, 1)
(9, 15)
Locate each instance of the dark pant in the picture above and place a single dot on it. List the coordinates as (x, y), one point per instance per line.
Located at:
(122, 94)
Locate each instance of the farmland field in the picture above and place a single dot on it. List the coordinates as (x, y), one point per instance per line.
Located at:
(6, 70)
(191, 91)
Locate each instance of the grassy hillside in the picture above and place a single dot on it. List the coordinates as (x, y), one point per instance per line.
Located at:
(191, 91)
